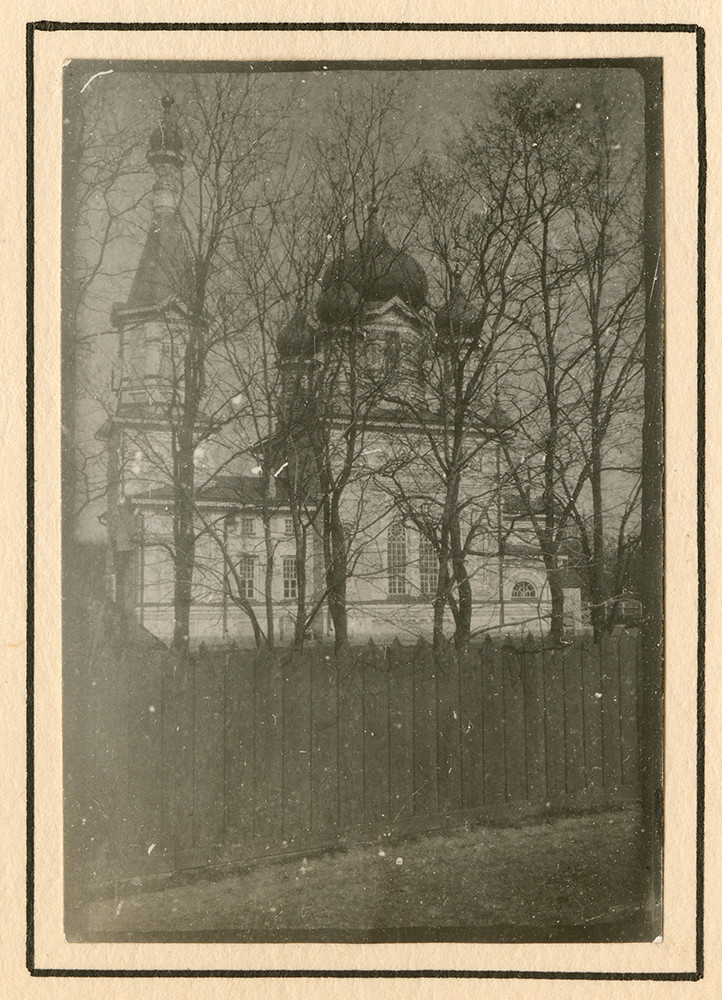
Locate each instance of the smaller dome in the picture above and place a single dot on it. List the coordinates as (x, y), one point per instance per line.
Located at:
(499, 420)
(166, 136)
(458, 319)
(296, 339)
(338, 303)
(376, 271)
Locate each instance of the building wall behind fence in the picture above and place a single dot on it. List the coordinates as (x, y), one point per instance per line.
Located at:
(237, 754)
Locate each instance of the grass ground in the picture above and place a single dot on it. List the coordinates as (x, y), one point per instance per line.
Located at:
(574, 878)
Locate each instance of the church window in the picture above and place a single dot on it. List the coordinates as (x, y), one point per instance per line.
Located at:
(428, 566)
(290, 582)
(523, 589)
(247, 577)
(396, 551)
(393, 352)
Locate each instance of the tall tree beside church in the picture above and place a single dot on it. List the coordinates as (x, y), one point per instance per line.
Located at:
(210, 152)
(358, 157)
(473, 238)
(233, 138)
(608, 410)
(579, 327)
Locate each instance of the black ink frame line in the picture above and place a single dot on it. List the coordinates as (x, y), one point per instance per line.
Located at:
(266, 26)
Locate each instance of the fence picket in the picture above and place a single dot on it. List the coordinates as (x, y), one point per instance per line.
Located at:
(401, 735)
(232, 772)
(210, 747)
(449, 731)
(376, 737)
(610, 714)
(268, 778)
(514, 728)
(628, 659)
(324, 747)
(574, 719)
(145, 744)
(554, 724)
(471, 723)
(493, 694)
(350, 741)
(592, 701)
(297, 746)
(425, 729)
(245, 732)
(533, 677)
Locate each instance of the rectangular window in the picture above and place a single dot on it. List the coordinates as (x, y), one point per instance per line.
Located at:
(290, 582)
(393, 352)
(396, 553)
(428, 567)
(288, 526)
(157, 575)
(248, 526)
(247, 576)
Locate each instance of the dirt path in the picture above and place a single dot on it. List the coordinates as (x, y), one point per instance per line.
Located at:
(524, 883)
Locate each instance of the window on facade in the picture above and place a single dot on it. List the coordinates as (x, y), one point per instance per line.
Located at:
(523, 589)
(393, 352)
(247, 576)
(396, 553)
(157, 575)
(288, 526)
(290, 583)
(428, 566)
(248, 526)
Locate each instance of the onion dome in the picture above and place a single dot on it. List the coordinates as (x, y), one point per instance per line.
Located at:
(338, 304)
(499, 421)
(165, 140)
(375, 271)
(457, 319)
(296, 339)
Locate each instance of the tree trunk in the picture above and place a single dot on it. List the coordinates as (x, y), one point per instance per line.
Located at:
(596, 576)
(299, 635)
(334, 549)
(268, 579)
(182, 594)
(556, 627)
(440, 603)
(183, 533)
(463, 586)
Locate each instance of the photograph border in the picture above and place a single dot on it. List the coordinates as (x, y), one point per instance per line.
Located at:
(31, 28)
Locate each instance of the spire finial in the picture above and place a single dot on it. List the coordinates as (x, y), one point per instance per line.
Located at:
(165, 143)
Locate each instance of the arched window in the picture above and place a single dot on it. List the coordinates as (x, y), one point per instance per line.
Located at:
(396, 553)
(428, 567)
(523, 589)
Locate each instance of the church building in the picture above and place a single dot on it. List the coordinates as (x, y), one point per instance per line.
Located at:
(342, 516)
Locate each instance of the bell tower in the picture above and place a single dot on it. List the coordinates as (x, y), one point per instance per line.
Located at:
(151, 326)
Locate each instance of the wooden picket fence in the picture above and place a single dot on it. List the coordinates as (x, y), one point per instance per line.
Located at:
(237, 754)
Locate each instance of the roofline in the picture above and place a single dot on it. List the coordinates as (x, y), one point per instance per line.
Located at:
(120, 315)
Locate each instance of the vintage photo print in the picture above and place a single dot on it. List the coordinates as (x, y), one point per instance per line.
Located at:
(363, 463)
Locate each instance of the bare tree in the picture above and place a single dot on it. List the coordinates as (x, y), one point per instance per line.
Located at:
(333, 383)
(579, 330)
(472, 229)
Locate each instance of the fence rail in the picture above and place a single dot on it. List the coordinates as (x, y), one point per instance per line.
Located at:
(237, 753)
